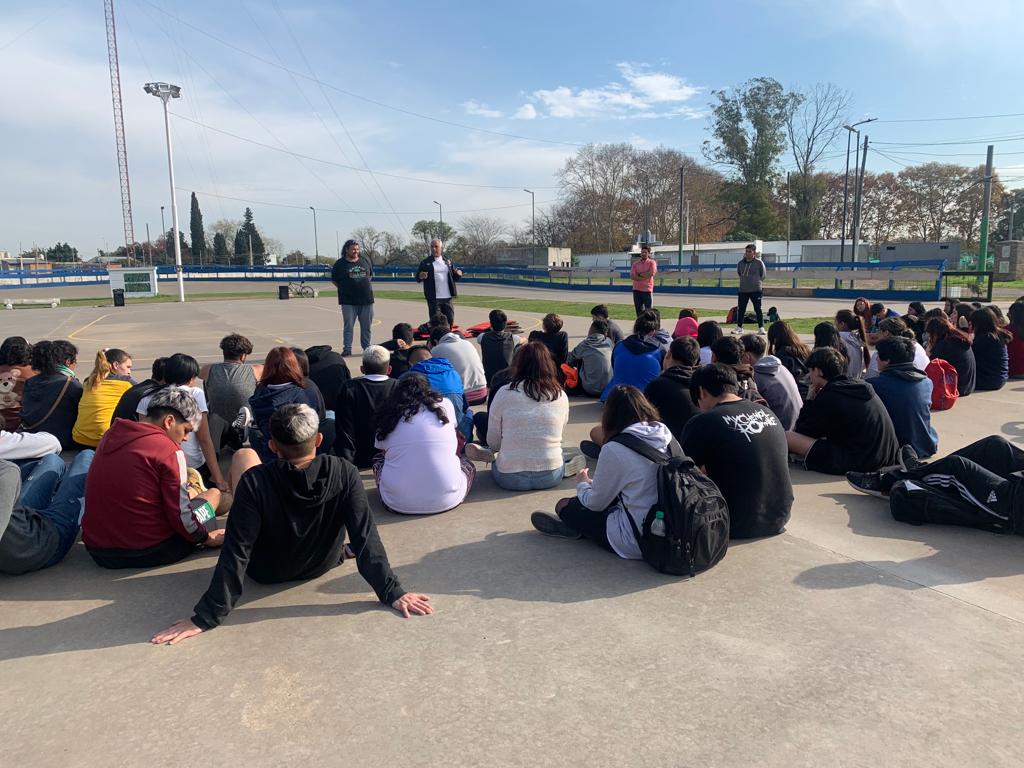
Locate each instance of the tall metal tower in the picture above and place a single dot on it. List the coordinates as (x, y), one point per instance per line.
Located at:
(122, 149)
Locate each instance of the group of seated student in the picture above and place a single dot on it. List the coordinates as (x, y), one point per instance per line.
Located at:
(741, 418)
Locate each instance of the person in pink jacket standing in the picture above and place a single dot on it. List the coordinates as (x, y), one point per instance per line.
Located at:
(642, 273)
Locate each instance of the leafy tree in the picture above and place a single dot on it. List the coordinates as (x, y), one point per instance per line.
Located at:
(295, 258)
(1001, 216)
(220, 246)
(427, 230)
(169, 242)
(248, 236)
(196, 230)
(61, 252)
(748, 125)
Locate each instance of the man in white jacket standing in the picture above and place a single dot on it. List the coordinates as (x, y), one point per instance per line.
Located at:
(752, 272)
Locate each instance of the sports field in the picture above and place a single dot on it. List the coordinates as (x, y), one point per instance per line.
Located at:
(848, 640)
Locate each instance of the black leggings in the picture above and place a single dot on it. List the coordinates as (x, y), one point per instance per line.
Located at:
(741, 309)
(593, 525)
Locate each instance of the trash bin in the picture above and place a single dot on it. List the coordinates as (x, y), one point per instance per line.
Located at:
(282, 292)
(118, 297)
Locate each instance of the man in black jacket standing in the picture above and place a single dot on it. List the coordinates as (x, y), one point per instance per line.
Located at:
(288, 523)
(438, 275)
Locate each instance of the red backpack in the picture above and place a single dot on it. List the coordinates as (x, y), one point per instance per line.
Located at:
(944, 384)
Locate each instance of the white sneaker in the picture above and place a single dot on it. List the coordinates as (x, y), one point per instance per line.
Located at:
(761, 331)
(241, 424)
(574, 465)
(480, 453)
(738, 330)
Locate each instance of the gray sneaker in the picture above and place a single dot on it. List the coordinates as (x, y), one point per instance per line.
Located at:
(550, 525)
(480, 453)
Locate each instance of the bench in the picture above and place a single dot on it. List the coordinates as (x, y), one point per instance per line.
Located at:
(10, 303)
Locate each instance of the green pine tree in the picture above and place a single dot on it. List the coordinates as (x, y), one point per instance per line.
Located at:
(196, 229)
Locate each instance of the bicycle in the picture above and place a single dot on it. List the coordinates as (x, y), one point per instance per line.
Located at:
(301, 290)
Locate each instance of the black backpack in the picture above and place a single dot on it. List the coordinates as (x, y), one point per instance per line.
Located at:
(694, 513)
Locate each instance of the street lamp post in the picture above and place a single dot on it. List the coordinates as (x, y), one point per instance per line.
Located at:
(165, 92)
(533, 216)
(851, 129)
(440, 213)
(163, 229)
(316, 240)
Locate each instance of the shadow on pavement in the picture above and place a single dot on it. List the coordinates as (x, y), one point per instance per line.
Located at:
(961, 556)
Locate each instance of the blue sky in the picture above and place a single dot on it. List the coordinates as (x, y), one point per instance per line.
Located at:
(554, 73)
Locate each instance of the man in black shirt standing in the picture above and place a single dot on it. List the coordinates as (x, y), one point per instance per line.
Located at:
(288, 523)
(742, 447)
(352, 274)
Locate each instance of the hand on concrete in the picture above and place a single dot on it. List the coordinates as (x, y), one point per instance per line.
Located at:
(178, 631)
(413, 602)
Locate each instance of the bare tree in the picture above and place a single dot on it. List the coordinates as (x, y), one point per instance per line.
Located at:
(371, 241)
(479, 236)
(225, 227)
(812, 128)
(597, 175)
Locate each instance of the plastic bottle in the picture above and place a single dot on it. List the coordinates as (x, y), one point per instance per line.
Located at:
(658, 524)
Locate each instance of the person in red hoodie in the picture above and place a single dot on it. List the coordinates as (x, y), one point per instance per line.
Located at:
(139, 512)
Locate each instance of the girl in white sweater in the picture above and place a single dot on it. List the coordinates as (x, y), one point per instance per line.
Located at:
(525, 423)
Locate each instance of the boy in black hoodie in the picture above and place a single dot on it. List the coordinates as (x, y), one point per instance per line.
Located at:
(670, 392)
(843, 426)
(289, 523)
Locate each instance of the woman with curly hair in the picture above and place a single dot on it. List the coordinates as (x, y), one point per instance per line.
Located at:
(50, 400)
(419, 471)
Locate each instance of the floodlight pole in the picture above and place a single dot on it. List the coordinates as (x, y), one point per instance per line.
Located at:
(165, 92)
(316, 240)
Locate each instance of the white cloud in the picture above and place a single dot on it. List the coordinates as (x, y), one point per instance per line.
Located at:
(641, 93)
(473, 107)
(526, 112)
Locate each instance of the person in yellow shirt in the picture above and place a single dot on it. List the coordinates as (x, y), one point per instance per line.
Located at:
(110, 378)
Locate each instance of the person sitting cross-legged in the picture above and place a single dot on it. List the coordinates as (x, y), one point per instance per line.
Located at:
(497, 345)
(40, 510)
(906, 392)
(741, 446)
(128, 405)
(625, 481)
(465, 359)
(843, 426)
(358, 400)
(141, 507)
(773, 380)
(978, 486)
(637, 359)
(419, 470)
(445, 380)
(670, 392)
(592, 358)
(524, 426)
(288, 523)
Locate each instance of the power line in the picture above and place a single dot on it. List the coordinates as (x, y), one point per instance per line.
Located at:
(17, 37)
(949, 119)
(349, 167)
(352, 94)
(978, 140)
(299, 206)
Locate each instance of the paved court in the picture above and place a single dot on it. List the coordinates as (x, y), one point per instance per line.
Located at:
(849, 640)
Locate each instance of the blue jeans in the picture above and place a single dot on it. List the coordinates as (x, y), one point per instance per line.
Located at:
(528, 481)
(56, 491)
(349, 314)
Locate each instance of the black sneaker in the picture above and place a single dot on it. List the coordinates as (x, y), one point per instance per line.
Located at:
(867, 482)
(550, 525)
(590, 449)
(908, 458)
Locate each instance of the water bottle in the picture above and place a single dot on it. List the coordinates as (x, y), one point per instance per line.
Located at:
(658, 524)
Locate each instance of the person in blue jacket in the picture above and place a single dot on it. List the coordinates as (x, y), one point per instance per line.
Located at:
(637, 359)
(445, 380)
(906, 393)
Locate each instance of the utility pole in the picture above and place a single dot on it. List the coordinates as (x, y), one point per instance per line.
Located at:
(533, 216)
(682, 225)
(986, 204)
(163, 228)
(1009, 221)
(789, 216)
(149, 246)
(846, 189)
(859, 191)
(249, 235)
(316, 240)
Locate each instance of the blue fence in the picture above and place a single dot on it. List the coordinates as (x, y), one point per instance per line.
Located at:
(902, 280)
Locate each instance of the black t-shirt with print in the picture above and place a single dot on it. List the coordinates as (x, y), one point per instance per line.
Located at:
(353, 280)
(742, 447)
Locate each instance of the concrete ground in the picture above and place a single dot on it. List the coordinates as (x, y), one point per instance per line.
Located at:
(848, 640)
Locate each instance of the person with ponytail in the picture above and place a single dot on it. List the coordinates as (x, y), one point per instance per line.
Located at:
(854, 334)
(110, 378)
